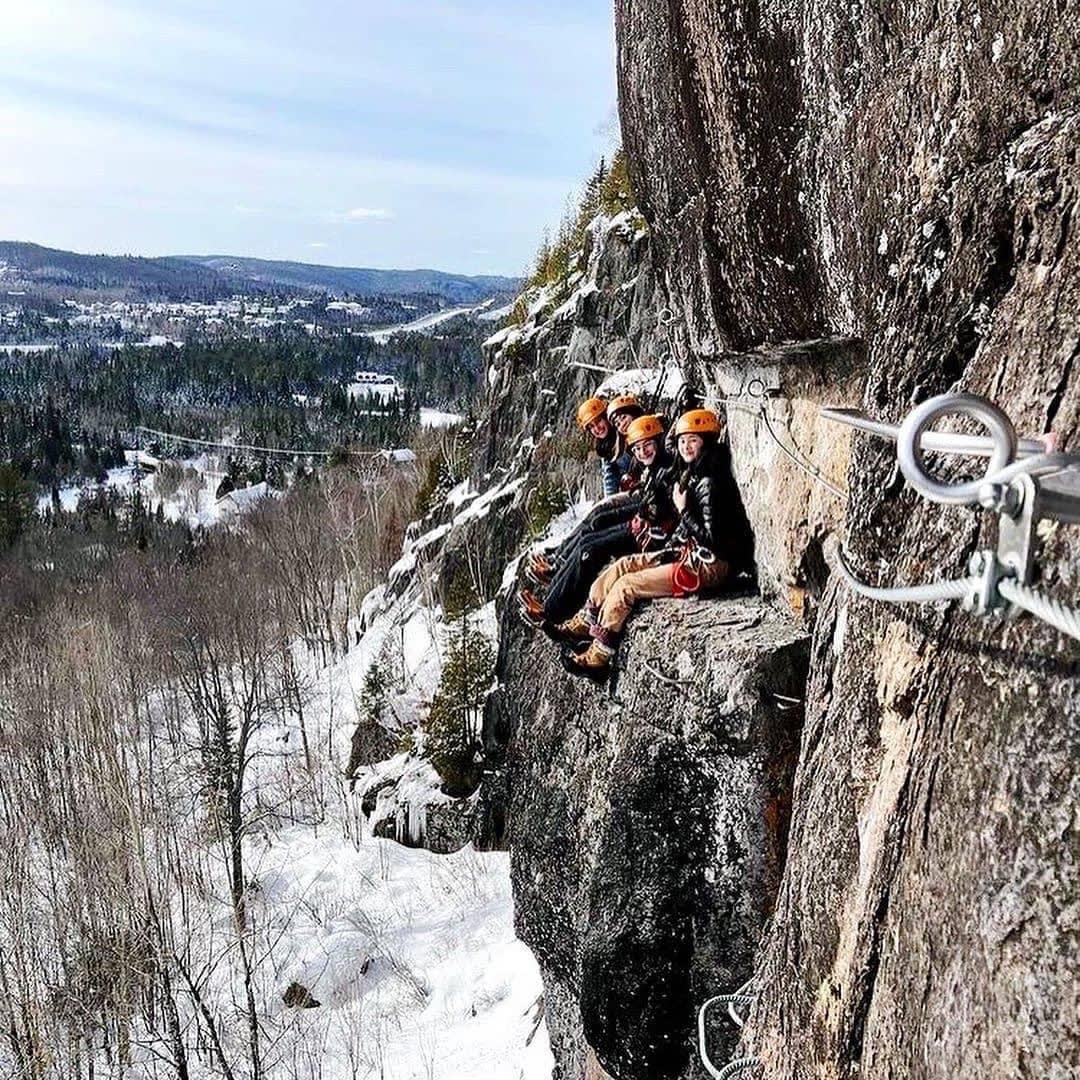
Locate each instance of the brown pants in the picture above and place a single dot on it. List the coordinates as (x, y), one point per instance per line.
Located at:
(641, 577)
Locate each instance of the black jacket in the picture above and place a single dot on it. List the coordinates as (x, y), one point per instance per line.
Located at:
(714, 517)
(616, 462)
(655, 488)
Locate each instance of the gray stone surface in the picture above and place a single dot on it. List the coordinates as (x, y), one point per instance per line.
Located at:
(647, 820)
(906, 176)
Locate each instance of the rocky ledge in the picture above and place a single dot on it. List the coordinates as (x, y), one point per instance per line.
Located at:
(647, 820)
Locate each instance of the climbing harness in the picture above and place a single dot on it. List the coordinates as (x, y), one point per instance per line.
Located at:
(686, 574)
(1022, 484)
(739, 1065)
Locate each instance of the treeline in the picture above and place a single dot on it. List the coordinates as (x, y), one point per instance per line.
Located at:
(66, 414)
(607, 191)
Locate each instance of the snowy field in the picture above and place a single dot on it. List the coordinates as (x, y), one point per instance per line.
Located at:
(366, 960)
(411, 956)
(436, 418)
(194, 501)
(425, 322)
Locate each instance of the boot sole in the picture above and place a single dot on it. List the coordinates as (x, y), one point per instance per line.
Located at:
(592, 674)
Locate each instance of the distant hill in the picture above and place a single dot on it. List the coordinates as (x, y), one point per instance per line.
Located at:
(186, 277)
(339, 279)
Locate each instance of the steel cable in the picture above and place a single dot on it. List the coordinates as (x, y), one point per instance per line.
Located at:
(736, 1068)
(731, 1000)
(759, 410)
(930, 593)
(1055, 612)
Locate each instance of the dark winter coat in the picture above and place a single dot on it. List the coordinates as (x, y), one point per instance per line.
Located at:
(714, 518)
(654, 495)
(616, 461)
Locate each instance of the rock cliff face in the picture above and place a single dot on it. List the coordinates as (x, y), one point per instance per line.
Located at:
(648, 821)
(904, 176)
(871, 810)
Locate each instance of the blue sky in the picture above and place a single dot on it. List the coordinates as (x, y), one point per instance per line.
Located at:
(405, 133)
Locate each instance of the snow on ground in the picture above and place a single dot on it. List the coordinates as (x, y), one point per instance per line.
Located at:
(374, 386)
(411, 955)
(434, 418)
(480, 506)
(497, 314)
(559, 528)
(120, 479)
(412, 958)
(194, 501)
(644, 382)
(426, 322)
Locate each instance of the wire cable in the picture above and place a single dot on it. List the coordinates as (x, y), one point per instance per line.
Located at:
(806, 466)
(257, 449)
(1052, 611)
(930, 593)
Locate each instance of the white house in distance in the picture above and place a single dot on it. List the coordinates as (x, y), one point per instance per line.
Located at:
(374, 384)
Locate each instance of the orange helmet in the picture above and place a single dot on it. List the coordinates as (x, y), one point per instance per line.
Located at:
(620, 402)
(644, 427)
(698, 422)
(589, 410)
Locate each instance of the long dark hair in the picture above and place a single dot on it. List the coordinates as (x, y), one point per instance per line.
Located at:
(608, 446)
(704, 462)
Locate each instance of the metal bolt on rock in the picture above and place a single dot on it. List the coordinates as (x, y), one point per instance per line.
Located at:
(1022, 485)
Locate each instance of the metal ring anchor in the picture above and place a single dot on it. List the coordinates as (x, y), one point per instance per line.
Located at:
(909, 451)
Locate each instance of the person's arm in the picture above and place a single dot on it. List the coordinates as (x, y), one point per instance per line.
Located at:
(610, 476)
(697, 519)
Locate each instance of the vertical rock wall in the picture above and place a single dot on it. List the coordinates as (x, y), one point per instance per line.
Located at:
(905, 176)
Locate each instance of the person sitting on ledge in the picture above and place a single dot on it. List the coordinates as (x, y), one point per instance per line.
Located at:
(606, 422)
(654, 519)
(710, 544)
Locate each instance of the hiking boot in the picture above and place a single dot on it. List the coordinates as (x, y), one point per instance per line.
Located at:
(538, 575)
(532, 611)
(594, 663)
(576, 628)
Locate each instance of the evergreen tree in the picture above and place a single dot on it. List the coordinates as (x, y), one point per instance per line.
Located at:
(16, 505)
(452, 728)
(373, 696)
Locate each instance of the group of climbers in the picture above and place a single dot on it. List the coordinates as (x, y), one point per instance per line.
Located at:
(671, 524)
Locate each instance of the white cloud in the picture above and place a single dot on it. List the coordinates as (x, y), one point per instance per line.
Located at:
(240, 208)
(317, 244)
(366, 213)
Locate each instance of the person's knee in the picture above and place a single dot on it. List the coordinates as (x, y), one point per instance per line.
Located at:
(624, 591)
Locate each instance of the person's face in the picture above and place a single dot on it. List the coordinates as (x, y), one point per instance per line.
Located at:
(599, 427)
(622, 421)
(690, 447)
(645, 451)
